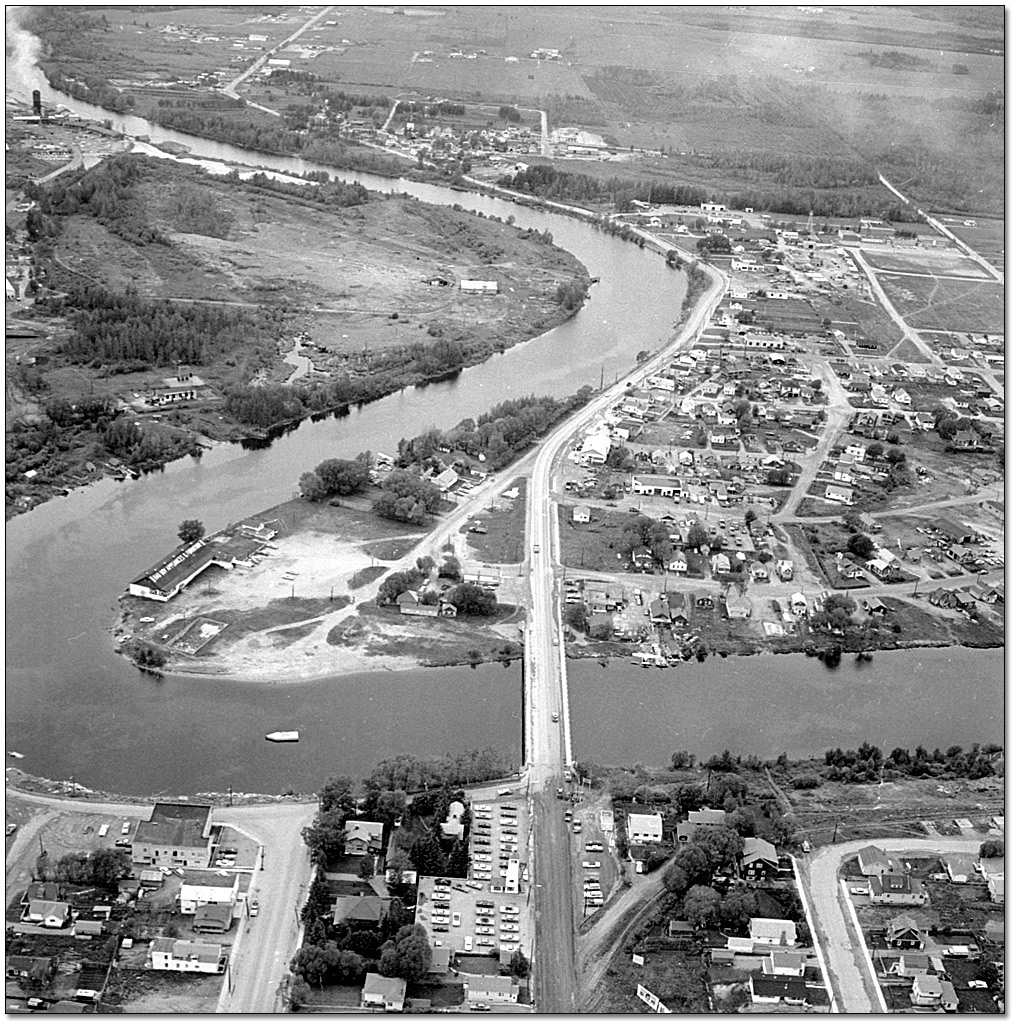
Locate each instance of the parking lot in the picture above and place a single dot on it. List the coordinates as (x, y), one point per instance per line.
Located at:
(489, 910)
(592, 850)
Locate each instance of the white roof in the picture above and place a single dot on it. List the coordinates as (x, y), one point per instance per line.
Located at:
(644, 824)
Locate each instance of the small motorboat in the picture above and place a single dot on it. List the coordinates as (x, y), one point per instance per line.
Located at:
(14, 753)
(286, 736)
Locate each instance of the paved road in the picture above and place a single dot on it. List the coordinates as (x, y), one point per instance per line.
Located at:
(549, 746)
(231, 87)
(848, 966)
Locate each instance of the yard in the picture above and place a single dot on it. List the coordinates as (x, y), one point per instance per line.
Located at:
(503, 540)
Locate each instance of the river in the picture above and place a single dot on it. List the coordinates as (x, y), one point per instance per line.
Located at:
(74, 708)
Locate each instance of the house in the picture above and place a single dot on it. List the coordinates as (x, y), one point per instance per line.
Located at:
(490, 989)
(697, 819)
(367, 910)
(38, 969)
(380, 991)
(855, 451)
(202, 886)
(175, 834)
(759, 571)
(453, 827)
(677, 562)
(213, 918)
(775, 989)
(844, 473)
(42, 891)
(902, 933)
(876, 862)
(873, 606)
(363, 837)
(582, 514)
(658, 612)
(841, 494)
(679, 612)
(88, 927)
(738, 607)
(720, 564)
(798, 604)
(595, 449)
(680, 928)
(926, 992)
(781, 931)
(50, 914)
(897, 891)
(644, 828)
(785, 570)
(168, 955)
(784, 962)
(758, 860)
(703, 598)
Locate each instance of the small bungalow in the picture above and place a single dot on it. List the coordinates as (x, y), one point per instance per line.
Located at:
(903, 933)
(582, 514)
(677, 562)
(381, 991)
(720, 564)
(363, 837)
(798, 604)
(897, 891)
(841, 494)
(738, 608)
(785, 570)
(759, 860)
(774, 931)
(874, 861)
(703, 598)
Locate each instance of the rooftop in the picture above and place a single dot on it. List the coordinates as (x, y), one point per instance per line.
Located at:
(183, 825)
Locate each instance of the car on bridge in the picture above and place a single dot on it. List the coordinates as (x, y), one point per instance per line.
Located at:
(556, 717)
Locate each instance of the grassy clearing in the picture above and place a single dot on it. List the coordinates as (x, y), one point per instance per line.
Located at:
(593, 546)
(503, 540)
(947, 304)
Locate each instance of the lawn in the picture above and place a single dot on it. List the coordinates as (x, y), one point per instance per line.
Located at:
(593, 546)
(503, 541)
(948, 304)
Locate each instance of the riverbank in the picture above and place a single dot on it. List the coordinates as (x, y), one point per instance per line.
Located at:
(366, 285)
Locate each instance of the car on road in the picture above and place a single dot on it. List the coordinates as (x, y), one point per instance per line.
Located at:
(12, 827)
(556, 717)
(535, 548)
(253, 907)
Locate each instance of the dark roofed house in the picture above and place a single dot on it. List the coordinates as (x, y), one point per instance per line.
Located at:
(24, 966)
(903, 933)
(876, 862)
(177, 835)
(213, 918)
(773, 989)
(361, 909)
(759, 859)
(897, 891)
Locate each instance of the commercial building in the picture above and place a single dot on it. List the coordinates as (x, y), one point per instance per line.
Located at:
(177, 835)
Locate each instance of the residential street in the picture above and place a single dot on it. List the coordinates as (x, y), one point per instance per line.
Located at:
(853, 985)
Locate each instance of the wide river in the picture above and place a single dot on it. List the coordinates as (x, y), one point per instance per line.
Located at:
(75, 709)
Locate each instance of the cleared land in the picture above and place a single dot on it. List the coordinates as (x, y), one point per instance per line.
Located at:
(947, 304)
(923, 262)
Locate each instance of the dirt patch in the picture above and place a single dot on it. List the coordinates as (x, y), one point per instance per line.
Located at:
(503, 539)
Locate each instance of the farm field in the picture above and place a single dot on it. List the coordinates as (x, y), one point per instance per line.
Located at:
(947, 304)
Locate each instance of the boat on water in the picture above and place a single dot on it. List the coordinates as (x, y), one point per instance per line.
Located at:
(14, 753)
(286, 736)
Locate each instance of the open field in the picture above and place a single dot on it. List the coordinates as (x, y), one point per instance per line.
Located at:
(503, 541)
(987, 236)
(947, 304)
(920, 261)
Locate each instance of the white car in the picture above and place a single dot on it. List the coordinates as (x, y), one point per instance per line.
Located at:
(859, 891)
(440, 920)
(456, 918)
(485, 930)
(591, 864)
(509, 909)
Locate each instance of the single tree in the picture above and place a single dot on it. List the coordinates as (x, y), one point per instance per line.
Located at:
(701, 905)
(190, 530)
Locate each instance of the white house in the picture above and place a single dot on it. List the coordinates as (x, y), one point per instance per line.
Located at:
(798, 604)
(490, 989)
(166, 955)
(778, 931)
(595, 449)
(206, 887)
(363, 837)
(582, 514)
(842, 494)
(644, 828)
(380, 991)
